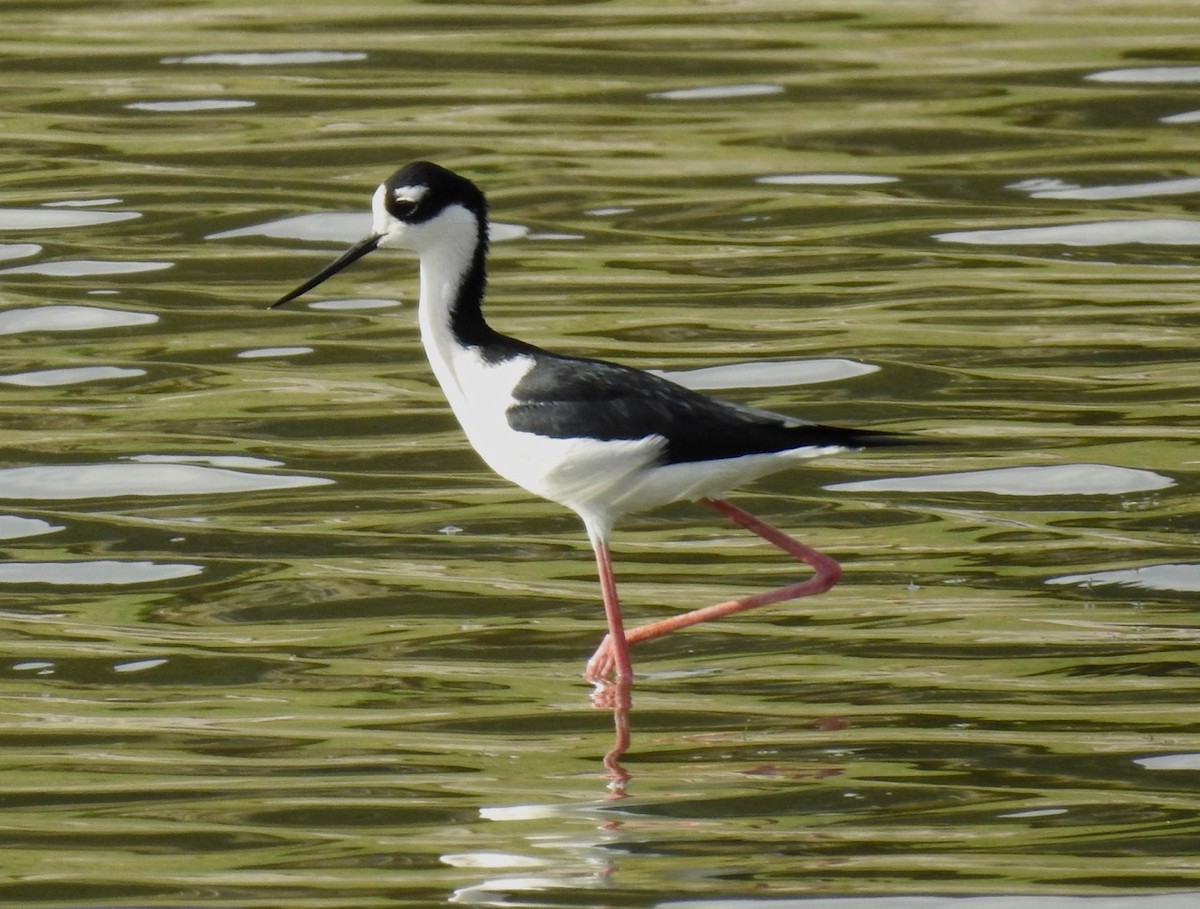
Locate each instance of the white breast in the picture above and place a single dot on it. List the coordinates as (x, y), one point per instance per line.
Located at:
(583, 474)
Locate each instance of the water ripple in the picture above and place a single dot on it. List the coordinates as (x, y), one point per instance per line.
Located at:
(44, 378)
(1160, 231)
(69, 318)
(770, 374)
(88, 573)
(189, 106)
(14, 528)
(1178, 577)
(78, 268)
(31, 219)
(91, 481)
(718, 92)
(1055, 480)
(277, 58)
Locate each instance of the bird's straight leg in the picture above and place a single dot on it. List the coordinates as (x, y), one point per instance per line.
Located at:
(828, 571)
(616, 654)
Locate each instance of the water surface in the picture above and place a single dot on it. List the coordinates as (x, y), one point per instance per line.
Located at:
(275, 637)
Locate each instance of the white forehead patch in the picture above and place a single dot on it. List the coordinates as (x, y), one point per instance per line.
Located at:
(379, 202)
(412, 194)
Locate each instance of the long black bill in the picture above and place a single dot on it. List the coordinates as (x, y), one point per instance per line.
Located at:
(353, 254)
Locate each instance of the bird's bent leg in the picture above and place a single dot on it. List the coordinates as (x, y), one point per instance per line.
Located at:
(612, 656)
(828, 571)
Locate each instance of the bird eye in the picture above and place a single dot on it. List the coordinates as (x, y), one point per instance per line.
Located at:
(402, 208)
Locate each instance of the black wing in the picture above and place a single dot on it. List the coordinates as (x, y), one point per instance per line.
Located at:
(565, 397)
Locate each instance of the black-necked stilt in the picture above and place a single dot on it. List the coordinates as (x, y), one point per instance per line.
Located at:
(597, 437)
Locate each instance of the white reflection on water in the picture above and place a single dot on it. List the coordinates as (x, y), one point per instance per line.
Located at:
(89, 481)
(212, 460)
(1170, 762)
(139, 665)
(1182, 577)
(85, 573)
(15, 528)
(263, 353)
(41, 667)
(769, 374)
(69, 318)
(574, 862)
(1190, 116)
(18, 250)
(1159, 231)
(492, 860)
(53, 219)
(279, 58)
(711, 92)
(353, 303)
(1017, 901)
(1060, 189)
(45, 378)
(826, 179)
(84, 203)
(198, 104)
(342, 226)
(76, 268)
(1053, 480)
(1148, 74)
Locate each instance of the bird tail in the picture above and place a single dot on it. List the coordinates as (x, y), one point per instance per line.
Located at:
(858, 439)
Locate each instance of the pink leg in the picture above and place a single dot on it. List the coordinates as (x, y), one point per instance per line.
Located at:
(827, 574)
(616, 651)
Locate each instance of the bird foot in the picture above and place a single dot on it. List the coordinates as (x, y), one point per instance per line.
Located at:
(603, 663)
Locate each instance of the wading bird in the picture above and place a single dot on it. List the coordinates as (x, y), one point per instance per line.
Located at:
(600, 438)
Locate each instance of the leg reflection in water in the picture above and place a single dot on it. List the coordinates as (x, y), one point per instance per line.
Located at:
(616, 695)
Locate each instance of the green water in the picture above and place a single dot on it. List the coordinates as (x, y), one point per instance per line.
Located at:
(274, 637)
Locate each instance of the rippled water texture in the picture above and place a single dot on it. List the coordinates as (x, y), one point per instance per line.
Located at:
(274, 637)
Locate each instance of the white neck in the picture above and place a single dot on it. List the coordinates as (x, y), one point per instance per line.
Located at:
(446, 261)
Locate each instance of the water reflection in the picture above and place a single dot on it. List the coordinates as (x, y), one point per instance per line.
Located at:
(718, 92)
(18, 250)
(78, 375)
(847, 179)
(575, 844)
(1052, 480)
(103, 571)
(353, 303)
(139, 665)
(1148, 75)
(1189, 761)
(189, 106)
(15, 528)
(343, 227)
(1007, 901)
(1146, 231)
(616, 695)
(69, 318)
(275, 58)
(78, 268)
(1190, 116)
(1177, 577)
(265, 353)
(769, 373)
(91, 481)
(57, 218)
(1060, 189)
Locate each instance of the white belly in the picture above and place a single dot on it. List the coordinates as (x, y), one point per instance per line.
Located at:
(599, 480)
(582, 474)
